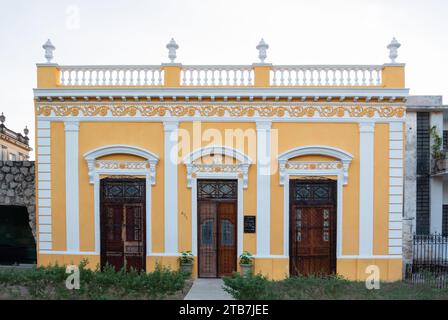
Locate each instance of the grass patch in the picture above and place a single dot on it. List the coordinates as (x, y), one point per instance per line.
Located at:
(49, 283)
(257, 287)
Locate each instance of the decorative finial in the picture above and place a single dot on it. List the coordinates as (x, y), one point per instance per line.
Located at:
(49, 48)
(262, 48)
(2, 118)
(26, 131)
(393, 48)
(172, 47)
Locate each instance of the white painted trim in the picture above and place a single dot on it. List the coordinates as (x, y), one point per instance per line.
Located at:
(163, 254)
(120, 149)
(396, 183)
(263, 188)
(74, 253)
(97, 208)
(171, 186)
(215, 149)
(225, 169)
(72, 185)
(222, 92)
(194, 211)
(43, 182)
(95, 173)
(329, 151)
(366, 187)
(256, 256)
(371, 257)
(341, 174)
(339, 206)
(92, 155)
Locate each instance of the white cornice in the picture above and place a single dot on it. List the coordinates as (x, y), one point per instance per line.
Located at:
(221, 92)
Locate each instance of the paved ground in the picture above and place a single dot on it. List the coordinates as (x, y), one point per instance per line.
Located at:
(208, 289)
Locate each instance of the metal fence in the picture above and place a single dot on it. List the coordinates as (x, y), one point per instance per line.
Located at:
(430, 261)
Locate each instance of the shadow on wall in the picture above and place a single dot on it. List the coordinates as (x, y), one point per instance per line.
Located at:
(17, 244)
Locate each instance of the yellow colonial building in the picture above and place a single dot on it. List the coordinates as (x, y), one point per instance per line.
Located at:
(301, 165)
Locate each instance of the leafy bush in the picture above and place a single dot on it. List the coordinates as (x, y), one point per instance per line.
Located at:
(49, 283)
(329, 287)
(250, 287)
(186, 257)
(246, 258)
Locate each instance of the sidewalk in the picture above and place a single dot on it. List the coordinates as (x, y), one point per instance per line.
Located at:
(208, 289)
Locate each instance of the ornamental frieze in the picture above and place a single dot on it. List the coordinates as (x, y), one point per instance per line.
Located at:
(216, 110)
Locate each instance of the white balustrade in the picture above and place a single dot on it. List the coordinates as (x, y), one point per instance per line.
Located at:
(321, 76)
(217, 76)
(111, 76)
(238, 76)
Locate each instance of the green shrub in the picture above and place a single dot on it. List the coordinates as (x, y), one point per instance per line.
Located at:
(250, 287)
(49, 283)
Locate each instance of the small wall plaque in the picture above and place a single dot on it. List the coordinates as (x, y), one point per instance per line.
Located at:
(250, 224)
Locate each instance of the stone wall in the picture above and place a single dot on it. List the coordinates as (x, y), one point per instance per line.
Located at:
(17, 187)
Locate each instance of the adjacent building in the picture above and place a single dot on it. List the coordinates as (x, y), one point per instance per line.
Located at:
(13, 145)
(427, 164)
(301, 165)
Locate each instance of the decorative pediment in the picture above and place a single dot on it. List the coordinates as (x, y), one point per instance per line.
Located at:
(116, 167)
(340, 165)
(218, 167)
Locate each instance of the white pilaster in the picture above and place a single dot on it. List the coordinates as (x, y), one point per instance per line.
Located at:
(72, 185)
(396, 183)
(366, 141)
(263, 188)
(44, 184)
(170, 195)
(436, 183)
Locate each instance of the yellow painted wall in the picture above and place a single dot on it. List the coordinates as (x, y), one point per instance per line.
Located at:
(150, 136)
(93, 135)
(355, 269)
(64, 259)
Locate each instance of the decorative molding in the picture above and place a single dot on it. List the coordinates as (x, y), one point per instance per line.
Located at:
(121, 165)
(112, 167)
(291, 167)
(249, 110)
(239, 170)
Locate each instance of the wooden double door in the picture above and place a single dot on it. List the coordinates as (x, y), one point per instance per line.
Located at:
(123, 225)
(312, 227)
(217, 228)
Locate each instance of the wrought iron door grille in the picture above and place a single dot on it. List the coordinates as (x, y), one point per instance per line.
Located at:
(123, 190)
(316, 192)
(224, 190)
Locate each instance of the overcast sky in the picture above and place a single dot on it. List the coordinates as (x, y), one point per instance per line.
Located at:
(218, 32)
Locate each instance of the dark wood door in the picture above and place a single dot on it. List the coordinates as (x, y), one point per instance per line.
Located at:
(123, 242)
(313, 227)
(217, 228)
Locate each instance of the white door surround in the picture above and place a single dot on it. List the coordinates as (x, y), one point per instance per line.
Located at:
(146, 168)
(337, 168)
(217, 172)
